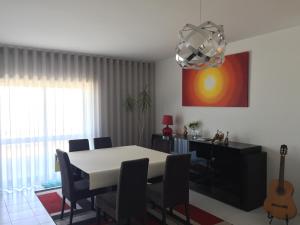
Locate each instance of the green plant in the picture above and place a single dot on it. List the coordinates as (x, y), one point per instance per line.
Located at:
(142, 103)
(194, 125)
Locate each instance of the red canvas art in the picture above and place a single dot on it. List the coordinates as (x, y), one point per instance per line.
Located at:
(225, 86)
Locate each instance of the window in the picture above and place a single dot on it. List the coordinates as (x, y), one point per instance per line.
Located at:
(36, 118)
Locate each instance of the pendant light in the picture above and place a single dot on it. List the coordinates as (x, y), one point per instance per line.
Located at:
(201, 46)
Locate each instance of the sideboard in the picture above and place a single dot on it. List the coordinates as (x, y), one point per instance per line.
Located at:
(235, 173)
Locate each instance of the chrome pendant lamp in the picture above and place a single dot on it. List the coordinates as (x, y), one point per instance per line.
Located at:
(201, 46)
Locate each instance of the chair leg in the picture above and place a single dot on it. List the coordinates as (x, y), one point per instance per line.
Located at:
(71, 213)
(62, 207)
(144, 219)
(75, 207)
(164, 215)
(153, 206)
(187, 214)
(105, 216)
(92, 203)
(98, 215)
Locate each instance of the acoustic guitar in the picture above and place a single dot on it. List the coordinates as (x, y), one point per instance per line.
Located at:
(279, 203)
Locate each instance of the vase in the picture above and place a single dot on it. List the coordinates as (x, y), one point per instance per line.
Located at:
(194, 133)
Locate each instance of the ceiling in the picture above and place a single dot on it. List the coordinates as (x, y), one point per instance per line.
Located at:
(136, 29)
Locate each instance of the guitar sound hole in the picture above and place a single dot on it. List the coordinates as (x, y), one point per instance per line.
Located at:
(280, 191)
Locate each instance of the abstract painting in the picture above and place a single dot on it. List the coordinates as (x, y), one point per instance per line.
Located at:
(225, 86)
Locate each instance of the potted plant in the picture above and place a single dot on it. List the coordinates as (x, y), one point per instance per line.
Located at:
(142, 103)
(194, 126)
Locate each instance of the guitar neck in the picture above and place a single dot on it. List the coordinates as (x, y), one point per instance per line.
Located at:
(281, 174)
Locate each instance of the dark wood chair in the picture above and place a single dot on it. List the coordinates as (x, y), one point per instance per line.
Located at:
(74, 146)
(71, 189)
(79, 145)
(174, 189)
(160, 144)
(102, 142)
(129, 201)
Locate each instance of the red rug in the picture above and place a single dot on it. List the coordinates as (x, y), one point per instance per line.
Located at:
(51, 200)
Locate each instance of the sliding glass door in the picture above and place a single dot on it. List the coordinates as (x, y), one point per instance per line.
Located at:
(36, 118)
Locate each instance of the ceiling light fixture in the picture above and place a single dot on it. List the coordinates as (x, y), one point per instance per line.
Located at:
(201, 46)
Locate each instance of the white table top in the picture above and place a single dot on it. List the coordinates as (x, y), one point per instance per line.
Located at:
(103, 165)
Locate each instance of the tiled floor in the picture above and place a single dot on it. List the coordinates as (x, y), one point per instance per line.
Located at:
(22, 208)
(25, 209)
(234, 215)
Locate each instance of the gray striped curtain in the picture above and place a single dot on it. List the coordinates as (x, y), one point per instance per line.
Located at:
(115, 80)
(39, 113)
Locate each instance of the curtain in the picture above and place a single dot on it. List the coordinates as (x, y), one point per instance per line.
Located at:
(46, 98)
(118, 80)
(49, 97)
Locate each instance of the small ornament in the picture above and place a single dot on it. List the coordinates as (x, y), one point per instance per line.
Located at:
(216, 137)
(185, 133)
(226, 141)
(194, 126)
(219, 136)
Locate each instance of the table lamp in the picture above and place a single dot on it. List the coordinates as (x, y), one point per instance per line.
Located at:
(167, 120)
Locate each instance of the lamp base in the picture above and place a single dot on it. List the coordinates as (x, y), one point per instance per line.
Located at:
(167, 131)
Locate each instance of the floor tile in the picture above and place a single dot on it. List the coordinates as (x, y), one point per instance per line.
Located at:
(234, 215)
(3, 210)
(11, 196)
(17, 208)
(30, 196)
(26, 209)
(26, 221)
(2, 201)
(2, 205)
(6, 223)
(4, 218)
(39, 211)
(16, 201)
(44, 219)
(35, 204)
(21, 215)
(49, 223)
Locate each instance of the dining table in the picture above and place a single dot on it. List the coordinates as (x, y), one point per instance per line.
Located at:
(103, 165)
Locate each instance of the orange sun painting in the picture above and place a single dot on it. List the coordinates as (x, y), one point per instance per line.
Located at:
(225, 86)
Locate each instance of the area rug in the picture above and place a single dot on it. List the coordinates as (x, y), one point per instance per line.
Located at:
(83, 215)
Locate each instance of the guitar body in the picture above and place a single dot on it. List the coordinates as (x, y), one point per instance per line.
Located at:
(280, 205)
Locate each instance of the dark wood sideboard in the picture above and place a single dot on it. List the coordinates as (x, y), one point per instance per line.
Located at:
(235, 174)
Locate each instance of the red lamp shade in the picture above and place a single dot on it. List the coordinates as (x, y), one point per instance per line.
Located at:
(167, 120)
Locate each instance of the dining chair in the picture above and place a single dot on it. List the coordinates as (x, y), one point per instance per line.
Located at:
(79, 145)
(160, 144)
(102, 142)
(71, 189)
(129, 201)
(174, 189)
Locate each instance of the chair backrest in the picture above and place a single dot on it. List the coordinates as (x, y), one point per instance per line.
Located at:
(66, 173)
(160, 144)
(131, 194)
(79, 145)
(102, 142)
(176, 180)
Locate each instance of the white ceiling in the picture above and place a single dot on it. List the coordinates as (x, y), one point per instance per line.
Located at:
(137, 29)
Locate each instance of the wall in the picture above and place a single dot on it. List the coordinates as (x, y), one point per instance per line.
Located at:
(273, 116)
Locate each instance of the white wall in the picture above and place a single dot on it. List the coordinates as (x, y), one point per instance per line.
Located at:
(273, 115)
